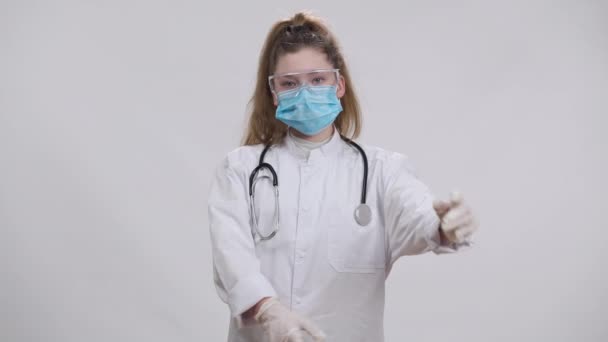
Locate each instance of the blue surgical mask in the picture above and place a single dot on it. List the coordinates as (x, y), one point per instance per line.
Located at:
(309, 109)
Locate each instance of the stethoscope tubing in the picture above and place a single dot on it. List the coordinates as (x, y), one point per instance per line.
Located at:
(275, 183)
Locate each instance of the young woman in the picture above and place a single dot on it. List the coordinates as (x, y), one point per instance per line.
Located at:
(305, 223)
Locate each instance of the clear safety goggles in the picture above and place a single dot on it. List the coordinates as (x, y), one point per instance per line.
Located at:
(294, 80)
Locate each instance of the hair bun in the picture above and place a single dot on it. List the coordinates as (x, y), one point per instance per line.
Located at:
(295, 29)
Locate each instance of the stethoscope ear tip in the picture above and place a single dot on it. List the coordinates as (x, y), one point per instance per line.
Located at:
(363, 214)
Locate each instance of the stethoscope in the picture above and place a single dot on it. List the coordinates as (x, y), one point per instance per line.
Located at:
(363, 213)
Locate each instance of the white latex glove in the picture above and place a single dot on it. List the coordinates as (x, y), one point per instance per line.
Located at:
(282, 325)
(457, 220)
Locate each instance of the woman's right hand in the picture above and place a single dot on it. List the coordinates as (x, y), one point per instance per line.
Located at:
(283, 325)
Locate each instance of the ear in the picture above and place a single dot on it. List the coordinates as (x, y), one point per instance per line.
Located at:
(341, 87)
(275, 100)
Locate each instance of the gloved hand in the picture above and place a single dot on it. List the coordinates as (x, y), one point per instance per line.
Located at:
(457, 220)
(282, 325)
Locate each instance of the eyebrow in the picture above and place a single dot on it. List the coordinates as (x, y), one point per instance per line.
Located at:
(318, 70)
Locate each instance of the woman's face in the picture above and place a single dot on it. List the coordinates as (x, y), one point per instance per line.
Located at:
(306, 59)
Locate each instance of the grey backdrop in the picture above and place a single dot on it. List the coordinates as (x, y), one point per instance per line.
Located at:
(113, 115)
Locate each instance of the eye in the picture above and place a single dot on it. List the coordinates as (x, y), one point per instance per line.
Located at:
(318, 80)
(287, 84)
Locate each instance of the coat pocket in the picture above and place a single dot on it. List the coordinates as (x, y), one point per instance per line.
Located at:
(356, 249)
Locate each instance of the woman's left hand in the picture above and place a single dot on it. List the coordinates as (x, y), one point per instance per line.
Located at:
(457, 220)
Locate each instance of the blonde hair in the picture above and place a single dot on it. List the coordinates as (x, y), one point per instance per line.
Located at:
(303, 30)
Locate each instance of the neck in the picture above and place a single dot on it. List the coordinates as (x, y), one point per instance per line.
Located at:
(321, 136)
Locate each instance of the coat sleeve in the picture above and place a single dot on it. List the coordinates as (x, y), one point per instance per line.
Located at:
(237, 274)
(412, 225)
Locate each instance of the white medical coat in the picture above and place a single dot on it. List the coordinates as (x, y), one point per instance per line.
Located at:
(321, 263)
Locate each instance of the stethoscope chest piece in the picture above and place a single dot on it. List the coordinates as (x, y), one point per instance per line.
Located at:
(363, 214)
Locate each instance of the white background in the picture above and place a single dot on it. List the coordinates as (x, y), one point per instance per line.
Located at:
(113, 115)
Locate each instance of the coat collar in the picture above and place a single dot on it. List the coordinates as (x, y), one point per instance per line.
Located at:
(329, 149)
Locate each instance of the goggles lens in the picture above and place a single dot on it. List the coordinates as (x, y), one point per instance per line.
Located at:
(316, 78)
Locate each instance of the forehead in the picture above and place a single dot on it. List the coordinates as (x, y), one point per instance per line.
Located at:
(302, 60)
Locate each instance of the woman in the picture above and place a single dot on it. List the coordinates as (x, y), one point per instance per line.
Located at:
(317, 266)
